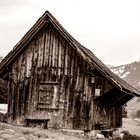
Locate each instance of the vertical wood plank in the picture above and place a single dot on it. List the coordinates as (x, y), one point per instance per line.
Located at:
(59, 59)
(47, 41)
(66, 60)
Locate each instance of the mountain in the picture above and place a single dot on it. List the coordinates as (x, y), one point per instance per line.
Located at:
(131, 74)
(1, 58)
(3, 91)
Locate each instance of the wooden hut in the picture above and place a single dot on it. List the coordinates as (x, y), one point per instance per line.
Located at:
(54, 81)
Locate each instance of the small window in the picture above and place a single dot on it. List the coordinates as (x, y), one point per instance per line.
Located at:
(97, 92)
(92, 80)
(44, 97)
(48, 96)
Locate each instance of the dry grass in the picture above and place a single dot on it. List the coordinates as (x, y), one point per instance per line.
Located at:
(10, 132)
(131, 126)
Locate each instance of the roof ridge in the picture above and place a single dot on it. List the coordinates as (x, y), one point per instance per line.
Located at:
(83, 51)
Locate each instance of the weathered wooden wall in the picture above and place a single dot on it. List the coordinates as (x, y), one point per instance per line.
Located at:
(50, 80)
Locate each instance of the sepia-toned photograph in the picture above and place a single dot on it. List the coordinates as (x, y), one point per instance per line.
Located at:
(70, 70)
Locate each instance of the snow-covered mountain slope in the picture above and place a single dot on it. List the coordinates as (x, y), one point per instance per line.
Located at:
(131, 74)
(1, 58)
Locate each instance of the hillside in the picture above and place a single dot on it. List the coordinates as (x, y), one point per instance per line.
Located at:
(3, 91)
(1, 58)
(131, 74)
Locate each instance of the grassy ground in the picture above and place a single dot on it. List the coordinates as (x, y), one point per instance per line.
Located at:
(132, 126)
(9, 132)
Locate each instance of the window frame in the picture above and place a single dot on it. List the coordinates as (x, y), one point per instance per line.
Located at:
(51, 88)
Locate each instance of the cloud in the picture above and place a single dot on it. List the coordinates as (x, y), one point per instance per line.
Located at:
(10, 36)
(105, 27)
(9, 3)
(15, 11)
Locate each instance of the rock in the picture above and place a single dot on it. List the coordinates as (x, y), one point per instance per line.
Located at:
(121, 135)
(125, 132)
(116, 134)
(93, 133)
(100, 136)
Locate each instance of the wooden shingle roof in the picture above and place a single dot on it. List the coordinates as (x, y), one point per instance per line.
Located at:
(86, 54)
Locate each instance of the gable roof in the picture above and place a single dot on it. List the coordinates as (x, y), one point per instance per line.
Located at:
(87, 55)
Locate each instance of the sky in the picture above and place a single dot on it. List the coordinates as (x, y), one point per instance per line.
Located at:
(109, 28)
